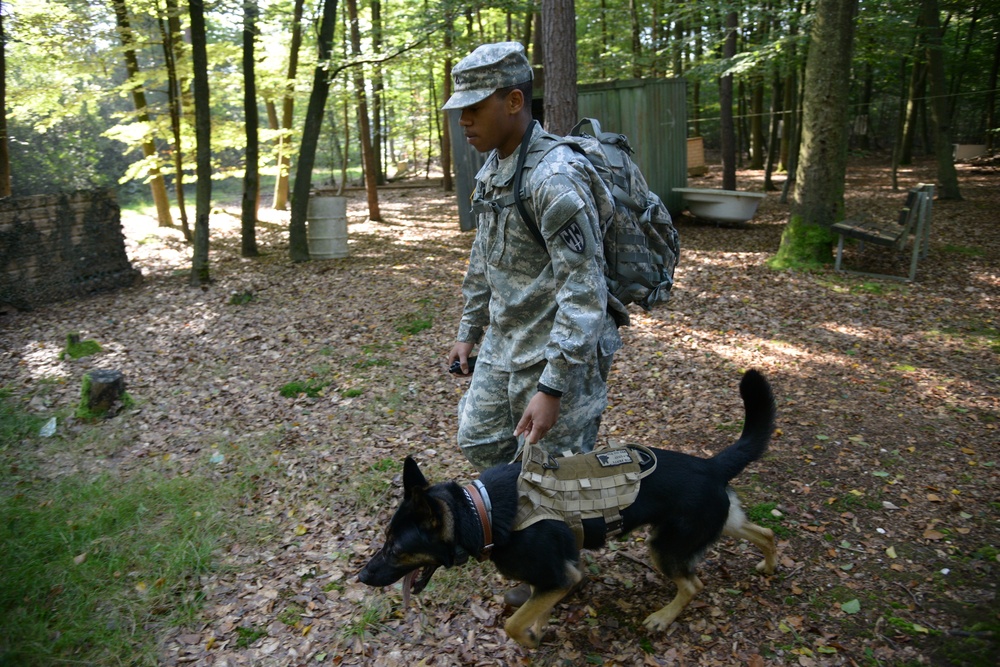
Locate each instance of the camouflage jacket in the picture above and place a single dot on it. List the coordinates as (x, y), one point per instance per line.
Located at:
(536, 303)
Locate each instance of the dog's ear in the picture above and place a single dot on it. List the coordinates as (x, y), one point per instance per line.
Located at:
(413, 479)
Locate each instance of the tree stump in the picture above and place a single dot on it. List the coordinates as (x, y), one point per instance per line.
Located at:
(102, 390)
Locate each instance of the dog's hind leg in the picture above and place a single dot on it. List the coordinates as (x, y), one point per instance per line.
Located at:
(738, 526)
(527, 624)
(687, 588)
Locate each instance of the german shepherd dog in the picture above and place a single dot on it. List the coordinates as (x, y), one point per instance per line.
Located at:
(686, 501)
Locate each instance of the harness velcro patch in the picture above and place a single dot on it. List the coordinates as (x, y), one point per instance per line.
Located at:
(615, 457)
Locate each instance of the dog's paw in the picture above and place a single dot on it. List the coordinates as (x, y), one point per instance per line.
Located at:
(766, 567)
(528, 636)
(659, 621)
(527, 639)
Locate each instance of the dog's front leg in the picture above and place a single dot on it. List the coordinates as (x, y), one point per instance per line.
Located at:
(527, 624)
(687, 588)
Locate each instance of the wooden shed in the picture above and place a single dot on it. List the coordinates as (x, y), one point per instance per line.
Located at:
(652, 113)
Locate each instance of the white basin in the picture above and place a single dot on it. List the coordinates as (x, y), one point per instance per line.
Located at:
(721, 205)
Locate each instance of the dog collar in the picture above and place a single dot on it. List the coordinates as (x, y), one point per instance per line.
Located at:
(479, 497)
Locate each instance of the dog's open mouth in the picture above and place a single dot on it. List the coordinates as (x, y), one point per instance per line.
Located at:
(416, 581)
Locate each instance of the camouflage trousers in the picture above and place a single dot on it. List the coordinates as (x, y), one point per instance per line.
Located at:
(495, 400)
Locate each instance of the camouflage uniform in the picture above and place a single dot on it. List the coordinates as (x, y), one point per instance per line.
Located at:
(539, 314)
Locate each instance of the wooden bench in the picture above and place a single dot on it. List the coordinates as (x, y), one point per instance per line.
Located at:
(914, 222)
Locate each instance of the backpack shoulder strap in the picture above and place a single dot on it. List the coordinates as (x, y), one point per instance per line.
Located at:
(522, 162)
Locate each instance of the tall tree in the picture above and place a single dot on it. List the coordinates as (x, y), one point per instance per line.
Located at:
(156, 182)
(818, 199)
(203, 138)
(298, 243)
(4, 146)
(559, 63)
(726, 107)
(940, 111)
(368, 161)
(449, 27)
(287, 108)
(251, 179)
(170, 33)
(378, 88)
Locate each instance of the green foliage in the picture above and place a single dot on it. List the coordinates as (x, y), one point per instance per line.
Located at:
(964, 250)
(242, 298)
(84, 562)
(312, 388)
(15, 423)
(804, 246)
(247, 636)
(763, 515)
(76, 348)
(414, 324)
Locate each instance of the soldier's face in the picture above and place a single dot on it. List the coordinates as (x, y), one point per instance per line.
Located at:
(492, 123)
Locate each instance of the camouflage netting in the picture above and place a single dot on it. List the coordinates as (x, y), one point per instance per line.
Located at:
(57, 247)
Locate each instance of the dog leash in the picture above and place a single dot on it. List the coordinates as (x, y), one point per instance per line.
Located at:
(480, 498)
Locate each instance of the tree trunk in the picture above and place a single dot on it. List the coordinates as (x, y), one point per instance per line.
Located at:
(378, 87)
(364, 128)
(287, 109)
(633, 14)
(818, 200)
(915, 96)
(298, 245)
(5, 188)
(203, 136)
(991, 96)
(170, 54)
(559, 64)
(757, 124)
(947, 175)
(251, 178)
(726, 108)
(156, 183)
(447, 182)
(777, 95)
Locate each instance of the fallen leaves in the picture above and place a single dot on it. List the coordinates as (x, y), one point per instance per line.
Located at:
(887, 434)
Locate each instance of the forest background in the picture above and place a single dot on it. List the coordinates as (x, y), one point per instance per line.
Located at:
(100, 93)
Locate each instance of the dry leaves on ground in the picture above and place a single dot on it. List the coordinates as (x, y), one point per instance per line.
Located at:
(882, 475)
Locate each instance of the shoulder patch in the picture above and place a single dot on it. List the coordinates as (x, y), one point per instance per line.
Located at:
(574, 238)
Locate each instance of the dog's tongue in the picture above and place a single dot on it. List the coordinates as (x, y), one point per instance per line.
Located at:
(408, 586)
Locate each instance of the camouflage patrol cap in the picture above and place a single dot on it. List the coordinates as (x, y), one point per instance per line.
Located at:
(487, 69)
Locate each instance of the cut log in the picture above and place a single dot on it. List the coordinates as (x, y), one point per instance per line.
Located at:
(104, 389)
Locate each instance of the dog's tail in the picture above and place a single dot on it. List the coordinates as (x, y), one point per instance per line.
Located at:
(758, 403)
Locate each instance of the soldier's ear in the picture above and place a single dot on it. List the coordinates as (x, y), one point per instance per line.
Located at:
(515, 101)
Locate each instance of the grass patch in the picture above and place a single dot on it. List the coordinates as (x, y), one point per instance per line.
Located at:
(242, 298)
(964, 250)
(414, 324)
(763, 515)
(311, 388)
(373, 486)
(91, 570)
(352, 393)
(247, 636)
(367, 621)
(15, 424)
(77, 349)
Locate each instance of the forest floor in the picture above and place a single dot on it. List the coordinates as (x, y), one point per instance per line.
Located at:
(882, 481)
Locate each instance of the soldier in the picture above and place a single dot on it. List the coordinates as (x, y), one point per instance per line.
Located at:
(539, 314)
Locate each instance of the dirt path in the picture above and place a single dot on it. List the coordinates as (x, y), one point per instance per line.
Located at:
(882, 478)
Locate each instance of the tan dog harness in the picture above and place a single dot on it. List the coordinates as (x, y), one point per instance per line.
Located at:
(595, 485)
